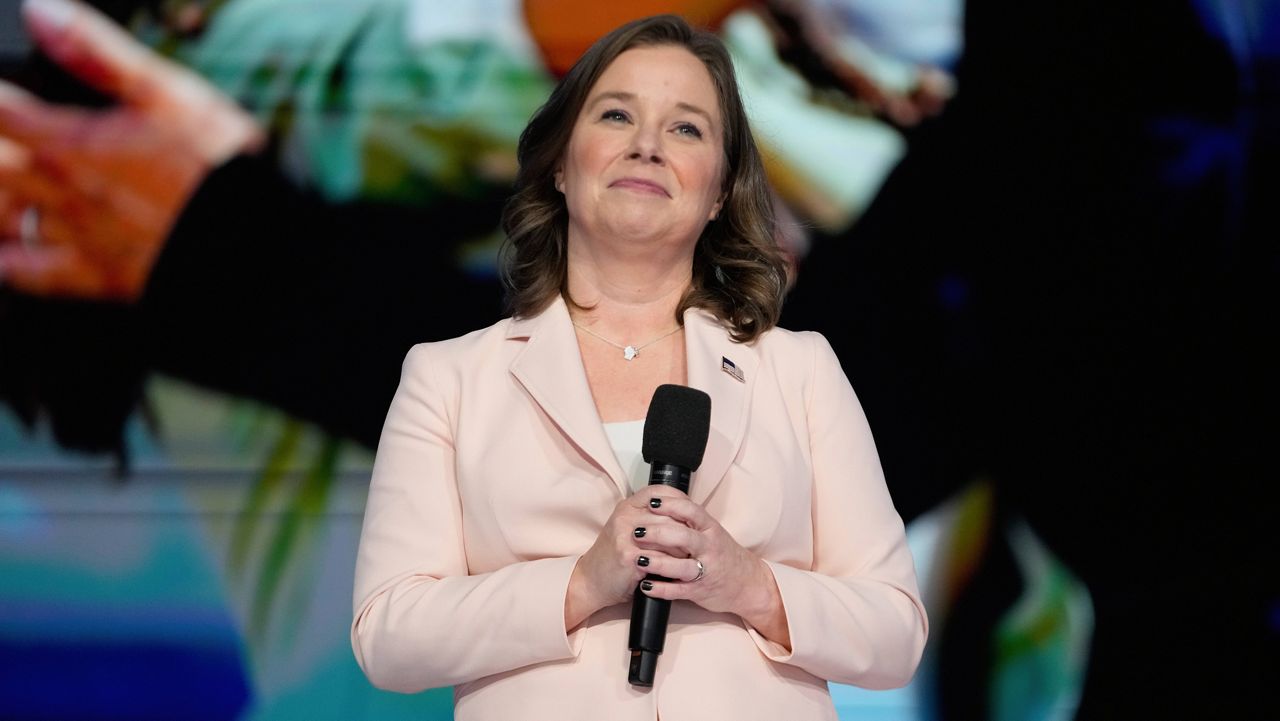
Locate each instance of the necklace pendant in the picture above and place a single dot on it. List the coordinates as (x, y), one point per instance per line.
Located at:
(630, 352)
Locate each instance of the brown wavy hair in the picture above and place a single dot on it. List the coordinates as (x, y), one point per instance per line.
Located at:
(739, 273)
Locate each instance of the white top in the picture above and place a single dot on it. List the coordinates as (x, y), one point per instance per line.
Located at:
(627, 439)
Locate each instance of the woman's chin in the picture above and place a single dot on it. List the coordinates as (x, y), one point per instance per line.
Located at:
(646, 227)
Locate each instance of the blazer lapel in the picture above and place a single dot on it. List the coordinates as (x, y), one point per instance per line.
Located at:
(550, 369)
(707, 346)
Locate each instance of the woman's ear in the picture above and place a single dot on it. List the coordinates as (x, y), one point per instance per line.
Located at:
(715, 209)
(559, 180)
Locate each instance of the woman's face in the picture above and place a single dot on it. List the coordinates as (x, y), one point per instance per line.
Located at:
(645, 163)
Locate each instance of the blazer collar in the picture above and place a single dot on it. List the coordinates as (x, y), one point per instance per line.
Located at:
(707, 346)
(550, 369)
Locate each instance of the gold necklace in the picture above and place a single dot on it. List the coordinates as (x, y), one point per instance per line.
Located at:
(629, 352)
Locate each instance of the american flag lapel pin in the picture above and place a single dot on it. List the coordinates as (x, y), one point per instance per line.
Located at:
(732, 369)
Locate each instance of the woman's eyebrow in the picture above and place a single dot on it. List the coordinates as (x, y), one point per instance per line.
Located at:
(613, 95)
(696, 111)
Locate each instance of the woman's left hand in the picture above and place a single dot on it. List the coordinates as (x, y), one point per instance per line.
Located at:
(733, 579)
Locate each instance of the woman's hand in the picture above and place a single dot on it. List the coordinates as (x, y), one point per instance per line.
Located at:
(87, 197)
(660, 530)
(731, 579)
(608, 572)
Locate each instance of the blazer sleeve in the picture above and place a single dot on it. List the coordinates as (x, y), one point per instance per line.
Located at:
(421, 621)
(856, 616)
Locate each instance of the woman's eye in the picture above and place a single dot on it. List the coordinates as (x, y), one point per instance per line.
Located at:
(617, 115)
(689, 130)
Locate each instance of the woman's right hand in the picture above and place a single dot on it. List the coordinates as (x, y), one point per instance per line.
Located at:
(607, 573)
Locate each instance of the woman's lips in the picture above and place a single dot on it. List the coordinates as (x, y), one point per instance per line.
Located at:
(641, 185)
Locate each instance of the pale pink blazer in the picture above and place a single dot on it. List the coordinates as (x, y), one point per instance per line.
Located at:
(494, 474)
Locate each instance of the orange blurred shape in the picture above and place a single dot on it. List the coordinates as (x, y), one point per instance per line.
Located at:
(564, 29)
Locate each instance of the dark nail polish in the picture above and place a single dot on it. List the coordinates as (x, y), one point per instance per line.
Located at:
(655, 502)
(642, 561)
(646, 585)
(640, 532)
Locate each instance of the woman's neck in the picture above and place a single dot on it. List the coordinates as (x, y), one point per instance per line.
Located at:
(629, 300)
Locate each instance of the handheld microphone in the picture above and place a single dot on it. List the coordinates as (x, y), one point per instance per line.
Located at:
(675, 436)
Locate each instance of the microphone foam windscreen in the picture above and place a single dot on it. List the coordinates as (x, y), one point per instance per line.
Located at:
(677, 426)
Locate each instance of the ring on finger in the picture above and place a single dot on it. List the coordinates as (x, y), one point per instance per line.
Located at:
(29, 227)
(702, 571)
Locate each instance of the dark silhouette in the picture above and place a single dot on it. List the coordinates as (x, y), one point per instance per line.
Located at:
(1068, 286)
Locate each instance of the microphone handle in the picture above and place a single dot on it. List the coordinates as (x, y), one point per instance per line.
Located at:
(667, 474)
(648, 635)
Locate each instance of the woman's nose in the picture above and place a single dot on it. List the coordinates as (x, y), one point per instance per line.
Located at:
(646, 145)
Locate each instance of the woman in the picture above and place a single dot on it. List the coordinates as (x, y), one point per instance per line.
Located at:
(505, 532)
